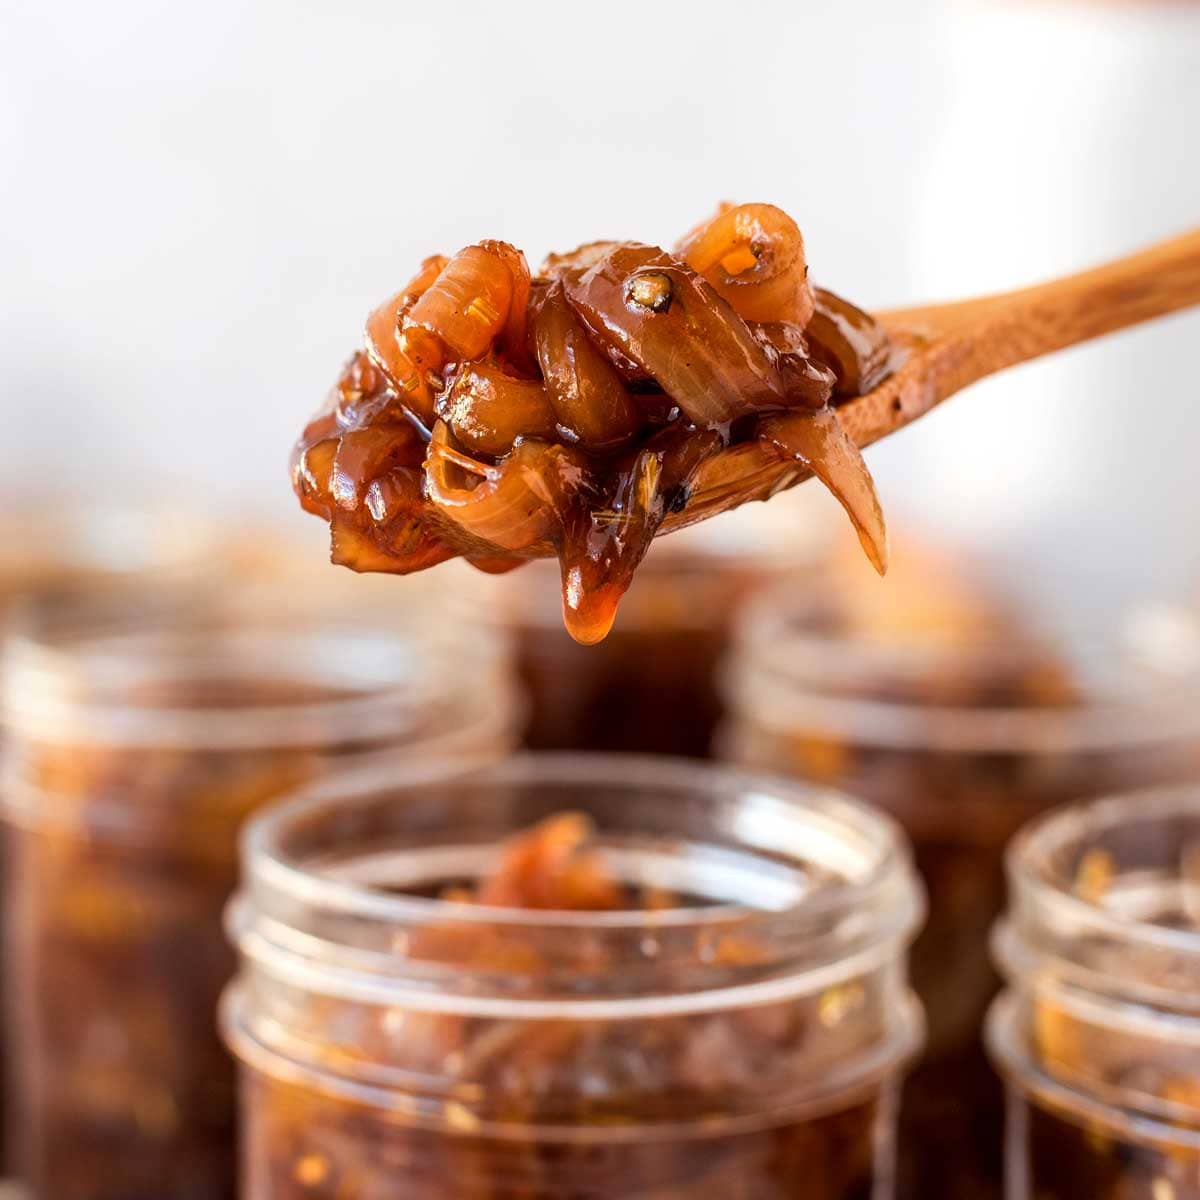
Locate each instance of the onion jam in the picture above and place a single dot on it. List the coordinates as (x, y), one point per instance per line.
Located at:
(500, 416)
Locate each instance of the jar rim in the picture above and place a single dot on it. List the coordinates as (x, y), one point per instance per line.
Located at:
(1037, 887)
(772, 676)
(1011, 1058)
(829, 930)
(74, 688)
(115, 540)
(261, 837)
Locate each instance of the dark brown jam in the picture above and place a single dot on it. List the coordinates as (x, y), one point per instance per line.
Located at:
(503, 417)
(125, 794)
(117, 959)
(1096, 1032)
(570, 1108)
(300, 1144)
(1068, 1159)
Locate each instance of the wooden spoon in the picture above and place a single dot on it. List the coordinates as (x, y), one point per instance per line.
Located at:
(944, 348)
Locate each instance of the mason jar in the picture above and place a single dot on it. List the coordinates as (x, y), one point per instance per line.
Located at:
(1098, 1030)
(142, 731)
(90, 548)
(963, 727)
(86, 549)
(651, 686)
(734, 1023)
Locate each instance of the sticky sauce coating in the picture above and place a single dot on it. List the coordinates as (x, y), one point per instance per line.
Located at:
(500, 416)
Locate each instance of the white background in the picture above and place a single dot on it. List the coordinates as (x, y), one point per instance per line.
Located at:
(200, 202)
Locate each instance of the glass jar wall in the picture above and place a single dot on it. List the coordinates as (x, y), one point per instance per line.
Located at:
(1098, 1031)
(964, 720)
(141, 732)
(693, 984)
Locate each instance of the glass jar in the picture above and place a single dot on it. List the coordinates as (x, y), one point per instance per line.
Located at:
(90, 548)
(963, 723)
(651, 685)
(1098, 1031)
(743, 1036)
(142, 732)
(84, 550)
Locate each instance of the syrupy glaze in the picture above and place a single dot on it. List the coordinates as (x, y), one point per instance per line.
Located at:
(503, 417)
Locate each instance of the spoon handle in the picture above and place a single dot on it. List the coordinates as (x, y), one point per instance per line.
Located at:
(950, 346)
(994, 332)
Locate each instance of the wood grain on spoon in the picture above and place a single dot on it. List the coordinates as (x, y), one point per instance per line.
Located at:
(946, 347)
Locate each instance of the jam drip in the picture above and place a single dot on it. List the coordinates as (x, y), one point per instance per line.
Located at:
(503, 417)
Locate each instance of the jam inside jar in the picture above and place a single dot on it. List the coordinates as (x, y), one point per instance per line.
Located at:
(733, 1020)
(86, 550)
(963, 717)
(142, 730)
(1098, 1031)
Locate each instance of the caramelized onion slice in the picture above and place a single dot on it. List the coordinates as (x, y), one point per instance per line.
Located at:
(514, 338)
(367, 453)
(580, 259)
(663, 316)
(491, 564)
(590, 401)
(818, 442)
(806, 381)
(386, 345)
(404, 548)
(849, 341)
(753, 254)
(488, 409)
(511, 506)
(312, 467)
(471, 301)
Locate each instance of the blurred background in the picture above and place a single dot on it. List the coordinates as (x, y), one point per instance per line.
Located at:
(198, 207)
(200, 204)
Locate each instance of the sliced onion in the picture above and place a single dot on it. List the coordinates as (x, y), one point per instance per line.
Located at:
(589, 398)
(579, 259)
(851, 342)
(494, 564)
(818, 442)
(488, 409)
(385, 342)
(368, 452)
(512, 506)
(753, 254)
(666, 318)
(312, 466)
(514, 340)
(807, 382)
(403, 548)
(469, 303)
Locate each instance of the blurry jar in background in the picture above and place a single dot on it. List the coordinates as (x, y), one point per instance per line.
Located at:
(734, 1025)
(1098, 1031)
(931, 698)
(651, 685)
(89, 549)
(141, 732)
